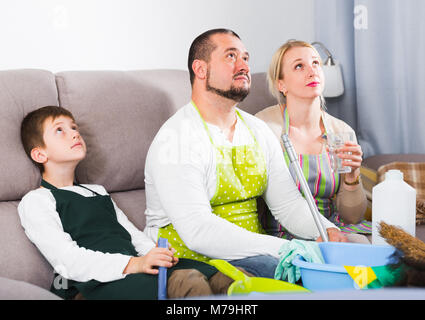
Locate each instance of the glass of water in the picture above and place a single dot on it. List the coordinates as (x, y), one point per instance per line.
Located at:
(336, 141)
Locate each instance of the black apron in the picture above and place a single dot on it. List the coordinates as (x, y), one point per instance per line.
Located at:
(92, 223)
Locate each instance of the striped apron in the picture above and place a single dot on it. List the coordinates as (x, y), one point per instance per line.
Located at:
(323, 184)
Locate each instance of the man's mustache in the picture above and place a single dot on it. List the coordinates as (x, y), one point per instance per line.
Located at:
(242, 73)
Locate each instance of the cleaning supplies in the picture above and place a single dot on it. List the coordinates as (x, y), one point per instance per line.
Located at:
(247, 285)
(376, 277)
(309, 250)
(394, 202)
(293, 160)
(162, 276)
(333, 274)
(411, 254)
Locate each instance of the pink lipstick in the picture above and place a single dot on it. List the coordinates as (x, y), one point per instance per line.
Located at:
(313, 84)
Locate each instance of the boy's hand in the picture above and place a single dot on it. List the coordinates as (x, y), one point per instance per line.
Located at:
(156, 257)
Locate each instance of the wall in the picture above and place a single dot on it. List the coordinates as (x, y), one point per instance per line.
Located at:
(60, 35)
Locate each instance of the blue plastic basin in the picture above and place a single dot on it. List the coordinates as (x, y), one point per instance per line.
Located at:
(332, 275)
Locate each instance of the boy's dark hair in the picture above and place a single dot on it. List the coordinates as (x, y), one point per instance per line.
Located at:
(202, 47)
(32, 128)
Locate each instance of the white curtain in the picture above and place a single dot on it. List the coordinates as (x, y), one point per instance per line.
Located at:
(381, 47)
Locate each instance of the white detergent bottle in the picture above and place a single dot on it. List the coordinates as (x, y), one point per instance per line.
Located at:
(394, 202)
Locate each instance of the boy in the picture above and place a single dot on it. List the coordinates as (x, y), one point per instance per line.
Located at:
(87, 239)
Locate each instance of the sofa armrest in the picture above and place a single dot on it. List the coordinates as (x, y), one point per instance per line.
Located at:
(19, 290)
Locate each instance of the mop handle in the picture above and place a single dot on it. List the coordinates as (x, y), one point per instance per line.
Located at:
(306, 190)
(162, 276)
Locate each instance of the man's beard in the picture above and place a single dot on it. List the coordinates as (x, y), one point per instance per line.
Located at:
(235, 94)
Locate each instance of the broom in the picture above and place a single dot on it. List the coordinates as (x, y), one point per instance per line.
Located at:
(411, 253)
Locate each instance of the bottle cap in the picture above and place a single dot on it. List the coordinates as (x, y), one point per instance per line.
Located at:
(394, 175)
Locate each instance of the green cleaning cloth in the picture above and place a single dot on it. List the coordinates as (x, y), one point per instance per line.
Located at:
(376, 277)
(309, 250)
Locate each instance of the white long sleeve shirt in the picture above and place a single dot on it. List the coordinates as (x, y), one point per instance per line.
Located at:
(180, 180)
(43, 226)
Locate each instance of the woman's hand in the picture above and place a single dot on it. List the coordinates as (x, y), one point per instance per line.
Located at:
(351, 154)
(334, 235)
(156, 257)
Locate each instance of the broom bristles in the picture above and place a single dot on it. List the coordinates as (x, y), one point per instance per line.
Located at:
(412, 248)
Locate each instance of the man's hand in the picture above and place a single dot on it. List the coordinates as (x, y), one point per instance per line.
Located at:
(334, 235)
(156, 257)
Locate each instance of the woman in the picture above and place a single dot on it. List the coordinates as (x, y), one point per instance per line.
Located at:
(296, 80)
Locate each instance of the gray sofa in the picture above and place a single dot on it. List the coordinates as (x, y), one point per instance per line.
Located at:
(119, 113)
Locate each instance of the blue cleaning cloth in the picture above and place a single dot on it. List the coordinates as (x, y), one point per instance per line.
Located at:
(309, 250)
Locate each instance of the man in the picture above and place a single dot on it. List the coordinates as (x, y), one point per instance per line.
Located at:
(210, 161)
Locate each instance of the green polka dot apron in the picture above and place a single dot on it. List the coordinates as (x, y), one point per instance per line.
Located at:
(92, 223)
(241, 179)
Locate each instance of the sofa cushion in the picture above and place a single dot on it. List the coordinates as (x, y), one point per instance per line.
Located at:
(20, 259)
(133, 204)
(21, 91)
(19, 290)
(259, 96)
(119, 114)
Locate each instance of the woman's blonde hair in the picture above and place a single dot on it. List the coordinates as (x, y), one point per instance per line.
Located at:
(275, 69)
